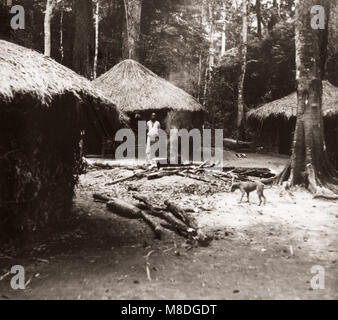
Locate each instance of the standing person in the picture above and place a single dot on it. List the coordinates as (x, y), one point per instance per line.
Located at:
(152, 127)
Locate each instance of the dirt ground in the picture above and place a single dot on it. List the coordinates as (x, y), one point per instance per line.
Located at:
(258, 252)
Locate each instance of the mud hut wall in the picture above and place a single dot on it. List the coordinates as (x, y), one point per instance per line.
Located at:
(269, 136)
(39, 163)
(100, 124)
(189, 121)
(276, 135)
(331, 138)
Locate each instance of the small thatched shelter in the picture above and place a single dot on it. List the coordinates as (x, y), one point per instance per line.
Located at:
(44, 108)
(277, 120)
(136, 89)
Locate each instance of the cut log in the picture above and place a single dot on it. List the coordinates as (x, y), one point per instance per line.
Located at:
(176, 225)
(137, 175)
(129, 211)
(124, 209)
(192, 176)
(177, 168)
(221, 177)
(190, 221)
(100, 197)
(161, 174)
(167, 216)
(181, 214)
(253, 172)
(156, 227)
(179, 165)
(108, 166)
(121, 180)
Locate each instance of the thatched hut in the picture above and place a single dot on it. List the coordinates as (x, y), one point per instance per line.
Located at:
(44, 108)
(276, 121)
(136, 89)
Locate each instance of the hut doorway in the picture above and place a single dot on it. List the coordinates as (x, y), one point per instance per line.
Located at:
(285, 133)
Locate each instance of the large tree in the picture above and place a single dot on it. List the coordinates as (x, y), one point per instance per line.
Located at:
(48, 17)
(133, 10)
(332, 65)
(83, 37)
(243, 53)
(259, 18)
(310, 165)
(97, 17)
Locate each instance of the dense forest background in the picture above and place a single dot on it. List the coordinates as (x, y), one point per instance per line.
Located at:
(196, 44)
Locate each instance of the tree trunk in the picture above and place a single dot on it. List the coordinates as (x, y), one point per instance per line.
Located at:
(274, 16)
(62, 54)
(241, 80)
(259, 18)
(97, 11)
(333, 41)
(48, 17)
(133, 11)
(212, 42)
(223, 47)
(211, 58)
(309, 163)
(200, 58)
(83, 37)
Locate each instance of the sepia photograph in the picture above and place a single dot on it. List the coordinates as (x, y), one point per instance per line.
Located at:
(169, 155)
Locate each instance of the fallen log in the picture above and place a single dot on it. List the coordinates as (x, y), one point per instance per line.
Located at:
(161, 174)
(192, 176)
(253, 172)
(124, 209)
(180, 165)
(177, 168)
(159, 212)
(181, 214)
(221, 177)
(190, 221)
(110, 166)
(100, 197)
(129, 211)
(137, 175)
(121, 180)
(176, 225)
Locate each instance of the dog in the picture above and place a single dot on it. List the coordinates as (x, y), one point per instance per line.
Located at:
(247, 188)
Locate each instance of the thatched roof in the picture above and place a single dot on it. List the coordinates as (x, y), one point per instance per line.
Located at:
(133, 87)
(25, 72)
(287, 106)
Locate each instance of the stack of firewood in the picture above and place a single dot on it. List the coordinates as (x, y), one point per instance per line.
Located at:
(203, 172)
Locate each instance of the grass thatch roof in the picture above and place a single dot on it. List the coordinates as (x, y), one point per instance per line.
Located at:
(287, 106)
(25, 72)
(133, 87)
